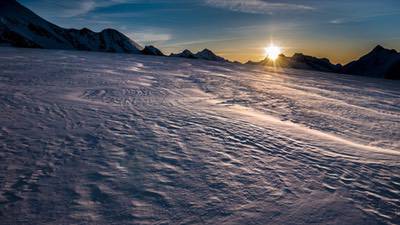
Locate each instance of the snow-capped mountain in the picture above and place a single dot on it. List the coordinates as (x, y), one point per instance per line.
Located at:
(151, 50)
(20, 27)
(300, 61)
(380, 62)
(207, 54)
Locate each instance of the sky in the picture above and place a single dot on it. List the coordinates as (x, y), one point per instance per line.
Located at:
(341, 30)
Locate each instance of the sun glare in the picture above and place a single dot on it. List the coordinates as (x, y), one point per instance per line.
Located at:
(273, 52)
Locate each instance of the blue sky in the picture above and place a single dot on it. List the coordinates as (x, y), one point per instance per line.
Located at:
(239, 29)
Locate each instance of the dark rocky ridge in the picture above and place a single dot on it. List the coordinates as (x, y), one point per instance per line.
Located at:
(20, 27)
(151, 50)
(184, 54)
(300, 61)
(205, 54)
(380, 62)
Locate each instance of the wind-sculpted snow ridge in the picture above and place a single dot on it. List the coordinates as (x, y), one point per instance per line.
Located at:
(97, 138)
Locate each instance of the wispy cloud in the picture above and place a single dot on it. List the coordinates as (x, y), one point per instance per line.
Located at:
(201, 41)
(78, 8)
(257, 6)
(356, 19)
(149, 37)
(71, 8)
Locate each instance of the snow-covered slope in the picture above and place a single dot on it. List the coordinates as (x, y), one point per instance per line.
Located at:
(380, 62)
(300, 61)
(21, 27)
(97, 138)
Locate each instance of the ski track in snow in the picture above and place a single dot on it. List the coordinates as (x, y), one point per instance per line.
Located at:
(97, 138)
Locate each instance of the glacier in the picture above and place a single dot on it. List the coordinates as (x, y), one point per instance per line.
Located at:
(100, 138)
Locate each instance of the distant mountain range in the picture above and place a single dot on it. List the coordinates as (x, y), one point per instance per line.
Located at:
(206, 54)
(300, 61)
(20, 27)
(380, 63)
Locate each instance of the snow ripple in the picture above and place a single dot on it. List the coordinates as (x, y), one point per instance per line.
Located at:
(123, 139)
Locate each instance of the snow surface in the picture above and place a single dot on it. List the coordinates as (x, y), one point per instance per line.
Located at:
(97, 138)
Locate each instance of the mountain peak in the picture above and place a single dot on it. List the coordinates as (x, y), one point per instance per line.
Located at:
(207, 54)
(151, 50)
(85, 30)
(206, 50)
(378, 48)
(381, 50)
(186, 51)
(380, 62)
(184, 54)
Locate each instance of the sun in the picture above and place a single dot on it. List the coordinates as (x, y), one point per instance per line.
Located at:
(273, 52)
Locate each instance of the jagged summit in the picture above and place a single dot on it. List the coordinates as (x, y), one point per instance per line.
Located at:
(205, 54)
(151, 50)
(380, 62)
(300, 61)
(185, 54)
(85, 30)
(378, 48)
